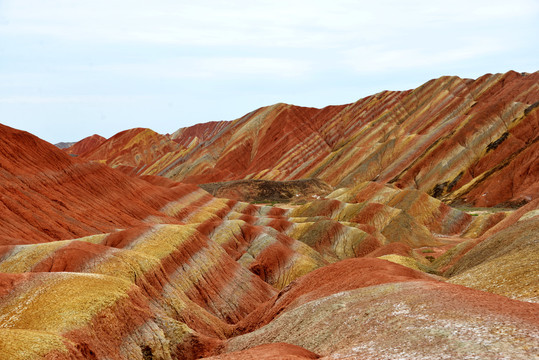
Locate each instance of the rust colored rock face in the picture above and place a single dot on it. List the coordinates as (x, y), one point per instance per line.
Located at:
(103, 257)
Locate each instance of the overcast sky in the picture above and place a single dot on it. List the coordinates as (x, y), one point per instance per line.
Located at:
(69, 69)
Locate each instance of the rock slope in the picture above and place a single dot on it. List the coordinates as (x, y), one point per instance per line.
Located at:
(385, 311)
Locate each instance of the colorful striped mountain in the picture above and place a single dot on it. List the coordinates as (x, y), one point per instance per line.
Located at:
(464, 141)
(110, 250)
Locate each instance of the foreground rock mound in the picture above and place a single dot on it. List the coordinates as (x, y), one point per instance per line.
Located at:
(399, 315)
(401, 320)
(88, 316)
(342, 276)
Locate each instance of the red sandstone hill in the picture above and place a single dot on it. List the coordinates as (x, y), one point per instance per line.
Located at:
(465, 141)
(48, 195)
(86, 145)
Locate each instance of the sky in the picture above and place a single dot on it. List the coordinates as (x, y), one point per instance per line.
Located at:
(72, 68)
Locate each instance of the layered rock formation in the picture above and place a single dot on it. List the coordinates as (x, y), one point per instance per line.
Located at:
(102, 259)
(134, 149)
(466, 141)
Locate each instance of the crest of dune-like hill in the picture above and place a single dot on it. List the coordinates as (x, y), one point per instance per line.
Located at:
(86, 145)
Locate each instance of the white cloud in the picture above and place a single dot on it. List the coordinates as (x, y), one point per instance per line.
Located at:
(202, 23)
(359, 35)
(295, 23)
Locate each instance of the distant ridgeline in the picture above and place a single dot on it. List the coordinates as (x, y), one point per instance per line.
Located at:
(468, 142)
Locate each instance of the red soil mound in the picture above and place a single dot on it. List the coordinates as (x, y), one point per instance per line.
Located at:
(134, 148)
(341, 276)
